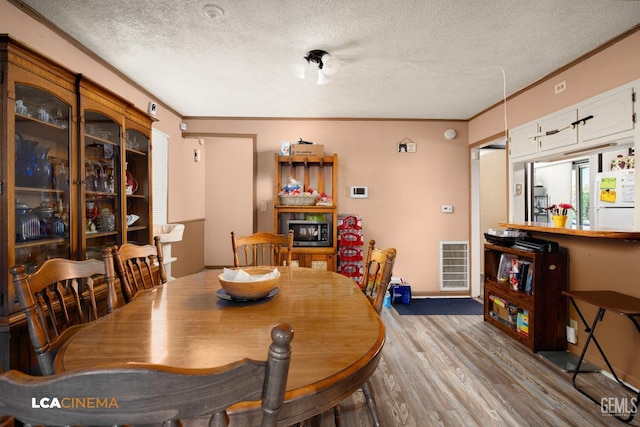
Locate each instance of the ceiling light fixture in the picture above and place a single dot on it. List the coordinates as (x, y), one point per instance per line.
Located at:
(212, 11)
(327, 65)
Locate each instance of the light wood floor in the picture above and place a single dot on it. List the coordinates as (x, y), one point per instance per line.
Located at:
(460, 371)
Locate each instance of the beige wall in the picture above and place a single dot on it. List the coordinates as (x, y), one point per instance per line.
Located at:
(406, 190)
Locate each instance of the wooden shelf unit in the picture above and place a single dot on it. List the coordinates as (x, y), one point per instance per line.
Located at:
(321, 174)
(546, 306)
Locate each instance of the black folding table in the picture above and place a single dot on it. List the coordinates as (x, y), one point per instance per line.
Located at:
(616, 302)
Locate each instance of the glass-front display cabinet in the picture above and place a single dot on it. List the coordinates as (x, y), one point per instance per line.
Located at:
(68, 179)
(138, 186)
(42, 196)
(102, 217)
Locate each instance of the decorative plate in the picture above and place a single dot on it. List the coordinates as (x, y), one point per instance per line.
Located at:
(222, 294)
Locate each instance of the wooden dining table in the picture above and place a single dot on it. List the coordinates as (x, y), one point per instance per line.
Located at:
(338, 336)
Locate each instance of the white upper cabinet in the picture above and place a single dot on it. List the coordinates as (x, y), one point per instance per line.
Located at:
(613, 115)
(557, 130)
(522, 141)
(603, 121)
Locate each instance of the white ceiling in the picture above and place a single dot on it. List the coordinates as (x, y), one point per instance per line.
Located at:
(400, 58)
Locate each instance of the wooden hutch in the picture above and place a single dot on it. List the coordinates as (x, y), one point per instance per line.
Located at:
(75, 163)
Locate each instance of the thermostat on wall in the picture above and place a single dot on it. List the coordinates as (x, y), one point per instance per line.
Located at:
(359, 192)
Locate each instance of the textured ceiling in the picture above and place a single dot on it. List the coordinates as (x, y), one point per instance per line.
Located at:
(399, 58)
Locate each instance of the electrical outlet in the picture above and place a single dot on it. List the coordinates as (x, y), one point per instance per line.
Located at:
(561, 87)
(572, 331)
(447, 209)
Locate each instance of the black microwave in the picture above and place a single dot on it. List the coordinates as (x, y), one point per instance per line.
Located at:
(310, 233)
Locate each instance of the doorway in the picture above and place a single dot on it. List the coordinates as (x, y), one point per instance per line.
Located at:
(488, 202)
(229, 195)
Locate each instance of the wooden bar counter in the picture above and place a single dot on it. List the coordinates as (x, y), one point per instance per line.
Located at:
(600, 259)
(602, 233)
(337, 343)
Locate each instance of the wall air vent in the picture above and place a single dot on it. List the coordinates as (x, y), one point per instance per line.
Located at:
(454, 266)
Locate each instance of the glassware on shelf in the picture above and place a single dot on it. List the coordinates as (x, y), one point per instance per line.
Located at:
(91, 179)
(27, 223)
(59, 120)
(107, 220)
(111, 183)
(21, 108)
(103, 183)
(132, 183)
(61, 179)
(25, 163)
(92, 210)
(43, 114)
(50, 223)
(43, 169)
(62, 212)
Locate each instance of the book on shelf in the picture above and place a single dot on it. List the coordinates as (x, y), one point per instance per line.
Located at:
(522, 323)
(528, 286)
(502, 320)
(505, 266)
(525, 266)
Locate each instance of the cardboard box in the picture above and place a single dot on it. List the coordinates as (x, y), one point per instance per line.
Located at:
(307, 150)
(501, 311)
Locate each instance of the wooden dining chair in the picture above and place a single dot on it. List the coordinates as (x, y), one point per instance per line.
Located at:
(262, 248)
(135, 393)
(58, 298)
(5, 420)
(139, 267)
(378, 267)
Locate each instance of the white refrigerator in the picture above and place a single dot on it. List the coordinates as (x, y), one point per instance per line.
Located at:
(614, 199)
